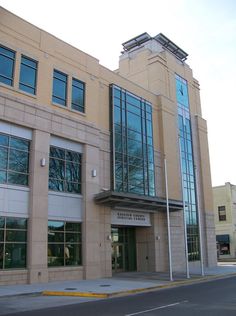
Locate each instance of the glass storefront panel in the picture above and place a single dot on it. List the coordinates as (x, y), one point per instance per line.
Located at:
(133, 140)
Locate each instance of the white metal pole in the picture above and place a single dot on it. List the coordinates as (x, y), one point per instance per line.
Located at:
(185, 225)
(168, 222)
(199, 223)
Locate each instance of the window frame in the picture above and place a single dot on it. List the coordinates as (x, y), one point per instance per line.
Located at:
(128, 176)
(55, 97)
(12, 66)
(63, 179)
(74, 106)
(22, 84)
(6, 242)
(222, 217)
(9, 149)
(64, 243)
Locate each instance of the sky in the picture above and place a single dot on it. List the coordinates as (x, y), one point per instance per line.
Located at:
(205, 29)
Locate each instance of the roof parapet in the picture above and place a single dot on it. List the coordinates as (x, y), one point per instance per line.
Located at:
(166, 43)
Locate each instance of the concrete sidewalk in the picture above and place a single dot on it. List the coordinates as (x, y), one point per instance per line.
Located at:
(120, 284)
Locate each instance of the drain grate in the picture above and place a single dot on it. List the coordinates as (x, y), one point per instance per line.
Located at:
(70, 289)
(105, 285)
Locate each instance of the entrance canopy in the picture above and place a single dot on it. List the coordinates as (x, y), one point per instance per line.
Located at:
(128, 200)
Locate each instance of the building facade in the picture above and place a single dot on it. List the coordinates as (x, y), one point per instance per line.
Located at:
(224, 198)
(82, 177)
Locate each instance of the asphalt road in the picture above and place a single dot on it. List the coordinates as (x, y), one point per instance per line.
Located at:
(216, 298)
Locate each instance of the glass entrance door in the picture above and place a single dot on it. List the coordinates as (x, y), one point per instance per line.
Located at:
(118, 258)
(123, 249)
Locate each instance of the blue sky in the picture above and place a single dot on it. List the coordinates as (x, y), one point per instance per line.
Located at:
(205, 29)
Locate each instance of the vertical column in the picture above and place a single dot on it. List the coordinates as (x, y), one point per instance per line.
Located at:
(38, 213)
(92, 243)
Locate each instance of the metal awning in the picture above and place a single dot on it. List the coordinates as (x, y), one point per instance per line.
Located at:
(136, 201)
(222, 238)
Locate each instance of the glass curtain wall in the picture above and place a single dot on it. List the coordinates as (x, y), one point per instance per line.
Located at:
(133, 158)
(186, 154)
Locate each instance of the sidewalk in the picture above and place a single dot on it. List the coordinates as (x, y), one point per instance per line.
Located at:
(120, 284)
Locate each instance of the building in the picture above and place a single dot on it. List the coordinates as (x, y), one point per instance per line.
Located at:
(82, 179)
(224, 198)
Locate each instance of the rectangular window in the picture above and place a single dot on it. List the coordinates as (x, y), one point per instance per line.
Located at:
(133, 156)
(64, 170)
(7, 61)
(78, 95)
(28, 74)
(14, 160)
(222, 213)
(64, 244)
(13, 242)
(59, 94)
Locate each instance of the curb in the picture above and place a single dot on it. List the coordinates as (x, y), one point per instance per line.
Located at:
(139, 290)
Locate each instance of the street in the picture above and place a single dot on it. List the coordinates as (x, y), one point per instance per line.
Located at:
(208, 298)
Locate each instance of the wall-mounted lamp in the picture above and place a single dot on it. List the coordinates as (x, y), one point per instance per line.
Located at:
(94, 173)
(158, 237)
(108, 237)
(43, 162)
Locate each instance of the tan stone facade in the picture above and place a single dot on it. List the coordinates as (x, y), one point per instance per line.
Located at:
(224, 198)
(146, 73)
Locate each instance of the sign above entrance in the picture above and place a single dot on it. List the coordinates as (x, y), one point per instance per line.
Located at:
(130, 218)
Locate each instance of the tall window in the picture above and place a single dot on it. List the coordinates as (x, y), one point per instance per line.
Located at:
(78, 94)
(64, 170)
(64, 243)
(133, 158)
(28, 74)
(59, 94)
(186, 154)
(13, 242)
(222, 213)
(14, 160)
(7, 60)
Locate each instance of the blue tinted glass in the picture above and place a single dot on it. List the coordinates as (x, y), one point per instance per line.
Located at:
(77, 99)
(78, 84)
(6, 70)
(4, 139)
(133, 109)
(56, 169)
(132, 100)
(116, 93)
(59, 88)
(132, 138)
(17, 178)
(72, 172)
(117, 114)
(27, 61)
(57, 152)
(7, 52)
(6, 66)
(3, 176)
(19, 143)
(182, 93)
(28, 77)
(18, 160)
(134, 121)
(59, 75)
(3, 158)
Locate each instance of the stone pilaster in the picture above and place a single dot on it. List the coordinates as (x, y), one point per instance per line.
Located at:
(38, 212)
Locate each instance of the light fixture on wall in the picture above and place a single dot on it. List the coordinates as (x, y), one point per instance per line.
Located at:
(158, 237)
(108, 237)
(43, 162)
(94, 173)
